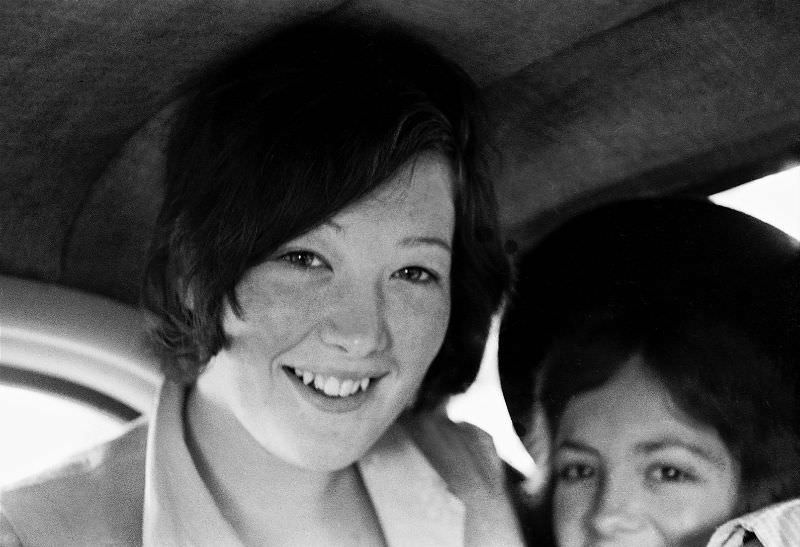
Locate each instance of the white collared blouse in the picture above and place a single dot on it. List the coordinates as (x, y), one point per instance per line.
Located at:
(431, 482)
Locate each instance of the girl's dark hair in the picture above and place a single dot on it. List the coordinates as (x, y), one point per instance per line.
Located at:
(275, 141)
(702, 293)
(718, 372)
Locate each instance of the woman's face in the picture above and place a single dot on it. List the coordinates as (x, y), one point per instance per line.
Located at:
(632, 469)
(340, 325)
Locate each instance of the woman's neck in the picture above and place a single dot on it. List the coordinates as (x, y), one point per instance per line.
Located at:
(265, 498)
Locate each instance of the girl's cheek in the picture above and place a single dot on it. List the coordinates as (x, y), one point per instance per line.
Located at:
(569, 516)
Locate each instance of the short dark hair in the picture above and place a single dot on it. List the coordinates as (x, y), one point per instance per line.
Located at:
(275, 141)
(700, 292)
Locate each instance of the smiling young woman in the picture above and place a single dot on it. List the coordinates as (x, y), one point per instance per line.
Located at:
(323, 274)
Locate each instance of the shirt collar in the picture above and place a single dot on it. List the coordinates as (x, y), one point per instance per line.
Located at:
(178, 508)
(774, 526)
(411, 500)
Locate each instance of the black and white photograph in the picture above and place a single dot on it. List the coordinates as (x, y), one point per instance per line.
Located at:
(400, 273)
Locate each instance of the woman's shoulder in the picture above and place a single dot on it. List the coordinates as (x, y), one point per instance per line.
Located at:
(96, 495)
(465, 458)
(456, 446)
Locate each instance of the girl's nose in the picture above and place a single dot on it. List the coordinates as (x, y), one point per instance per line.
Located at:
(356, 321)
(616, 512)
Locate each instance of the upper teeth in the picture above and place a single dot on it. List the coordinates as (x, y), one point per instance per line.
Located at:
(330, 385)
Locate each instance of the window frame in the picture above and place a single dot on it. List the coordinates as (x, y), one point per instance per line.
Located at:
(86, 347)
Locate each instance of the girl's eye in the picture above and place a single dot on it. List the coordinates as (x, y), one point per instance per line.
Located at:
(575, 472)
(415, 274)
(302, 259)
(670, 473)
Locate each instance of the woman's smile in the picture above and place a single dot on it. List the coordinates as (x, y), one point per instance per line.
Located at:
(331, 393)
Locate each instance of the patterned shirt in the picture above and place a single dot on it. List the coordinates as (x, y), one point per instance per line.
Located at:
(773, 526)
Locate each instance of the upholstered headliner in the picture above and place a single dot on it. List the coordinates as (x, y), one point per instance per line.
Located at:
(589, 100)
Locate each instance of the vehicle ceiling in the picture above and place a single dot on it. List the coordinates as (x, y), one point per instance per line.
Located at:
(588, 99)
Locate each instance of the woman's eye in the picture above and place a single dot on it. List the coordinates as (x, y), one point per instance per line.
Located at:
(415, 274)
(302, 259)
(575, 472)
(670, 473)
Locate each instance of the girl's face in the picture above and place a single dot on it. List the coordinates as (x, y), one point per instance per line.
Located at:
(340, 325)
(632, 469)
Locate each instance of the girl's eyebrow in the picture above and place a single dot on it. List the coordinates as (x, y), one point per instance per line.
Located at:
(666, 442)
(435, 241)
(577, 446)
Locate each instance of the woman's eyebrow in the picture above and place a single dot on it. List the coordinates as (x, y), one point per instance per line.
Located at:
(412, 241)
(571, 444)
(435, 241)
(664, 443)
(335, 226)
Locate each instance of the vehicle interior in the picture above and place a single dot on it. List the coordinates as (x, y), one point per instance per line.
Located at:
(587, 102)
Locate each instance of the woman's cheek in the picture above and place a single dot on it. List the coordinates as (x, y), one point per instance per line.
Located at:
(569, 509)
(421, 316)
(277, 304)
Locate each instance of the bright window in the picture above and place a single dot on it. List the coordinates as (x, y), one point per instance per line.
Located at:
(775, 199)
(43, 428)
(483, 405)
(74, 371)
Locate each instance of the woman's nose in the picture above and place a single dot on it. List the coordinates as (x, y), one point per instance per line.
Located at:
(616, 513)
(356, 321)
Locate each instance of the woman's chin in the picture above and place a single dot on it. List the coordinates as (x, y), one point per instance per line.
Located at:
(323, 457)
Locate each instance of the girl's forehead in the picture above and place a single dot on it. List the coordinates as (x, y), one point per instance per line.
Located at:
(631, 392)
(632, 411)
